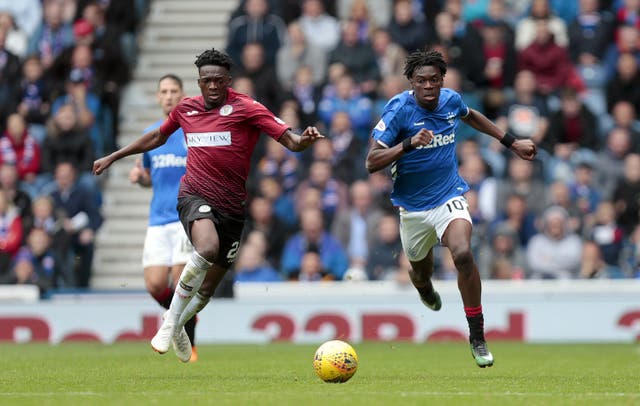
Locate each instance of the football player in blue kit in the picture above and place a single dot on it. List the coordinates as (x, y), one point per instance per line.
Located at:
(416, 136)
(166, 247)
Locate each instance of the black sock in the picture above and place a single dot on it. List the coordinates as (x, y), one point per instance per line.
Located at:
(476, 327)
(190, 328)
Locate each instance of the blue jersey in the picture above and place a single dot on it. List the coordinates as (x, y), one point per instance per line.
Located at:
(427, 176)
(167, 164)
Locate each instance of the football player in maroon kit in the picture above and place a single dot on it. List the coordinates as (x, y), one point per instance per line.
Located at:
(221, 128)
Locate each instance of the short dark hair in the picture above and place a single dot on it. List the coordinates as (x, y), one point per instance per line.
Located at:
(422, 58)
(214, 57)
(173, 77)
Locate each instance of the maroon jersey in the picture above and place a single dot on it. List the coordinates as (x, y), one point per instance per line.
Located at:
(220, 142)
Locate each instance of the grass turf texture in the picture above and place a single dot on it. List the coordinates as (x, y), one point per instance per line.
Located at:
(281, 374)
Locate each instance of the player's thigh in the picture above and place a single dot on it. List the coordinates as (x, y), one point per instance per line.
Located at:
(453, 224)
(417, 233)
(199, 222)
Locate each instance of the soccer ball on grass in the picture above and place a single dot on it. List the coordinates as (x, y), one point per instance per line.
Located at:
(335, 361)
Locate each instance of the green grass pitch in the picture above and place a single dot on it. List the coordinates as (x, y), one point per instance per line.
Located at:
(282, 374)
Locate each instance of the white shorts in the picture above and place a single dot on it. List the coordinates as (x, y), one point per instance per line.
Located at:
(166, 245)
(421, 230)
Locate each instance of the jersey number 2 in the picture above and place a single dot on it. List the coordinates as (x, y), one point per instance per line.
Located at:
(233, 251)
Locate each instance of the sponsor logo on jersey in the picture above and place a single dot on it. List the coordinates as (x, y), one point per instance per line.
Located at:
(192, 112)
(209, 139)
(440, 140)
(204, 208)
(226, 110)
(419, 123)
(381, 126)
(168, 161)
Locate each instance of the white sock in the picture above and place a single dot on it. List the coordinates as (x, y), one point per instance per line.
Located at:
(190, 281)
(197, 303)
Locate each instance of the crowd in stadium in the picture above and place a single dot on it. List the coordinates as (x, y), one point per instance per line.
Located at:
(562, 73)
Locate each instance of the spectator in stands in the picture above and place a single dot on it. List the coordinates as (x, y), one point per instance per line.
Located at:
(590, 34)
(379, 11)
(320, 29)
(263, 75)
(548, 61)
(360, 14)
(609, 161)
(306, 94)
(34, 97)
(313, 238)
(11, 234)
(626, 42)
(17, 39)
(349, 99)
(475, 171)
(603, 247)
(526, 116)
(385, 250)
(406, 30)
(528, 27)
(560, 195)
(389, 55)
(347, 150)
(503, 257)
(280, 164)
(52, 36)
(283, 205)
(262, 219)
(358, 57)
(78, 92)
(625, 83)
(256, 25)
(355, 226)
(583, 192)
(19, 148)
(573, 132)
(624, 115)
(389, 87)
(499, 55)
(312, 269)
(626, 194)
(518, 216)
(35, 263)
(297, 52)
(334, 195)
(251, 265)
(555, 252)
(67, 141)
(464, 51)
(521, 180)
(18, 198)
(81, 220)
(112, 64)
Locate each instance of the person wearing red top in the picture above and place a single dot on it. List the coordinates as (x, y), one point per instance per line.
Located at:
(221, 128)
(19, 148)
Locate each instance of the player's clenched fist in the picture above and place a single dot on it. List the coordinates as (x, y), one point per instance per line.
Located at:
(421, 138)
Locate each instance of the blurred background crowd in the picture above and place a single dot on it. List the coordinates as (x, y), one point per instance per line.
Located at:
(563, 73)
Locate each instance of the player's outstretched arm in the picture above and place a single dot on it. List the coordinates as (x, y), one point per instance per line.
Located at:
(147, 142)
(296, 143)
(380, 156)
(525, 149)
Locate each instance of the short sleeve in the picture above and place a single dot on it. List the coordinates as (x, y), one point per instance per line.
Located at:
(463, 109)
(389, 127)
(171, 124)
(266, 121)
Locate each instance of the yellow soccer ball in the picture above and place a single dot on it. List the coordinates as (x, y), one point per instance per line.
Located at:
(335, 361)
